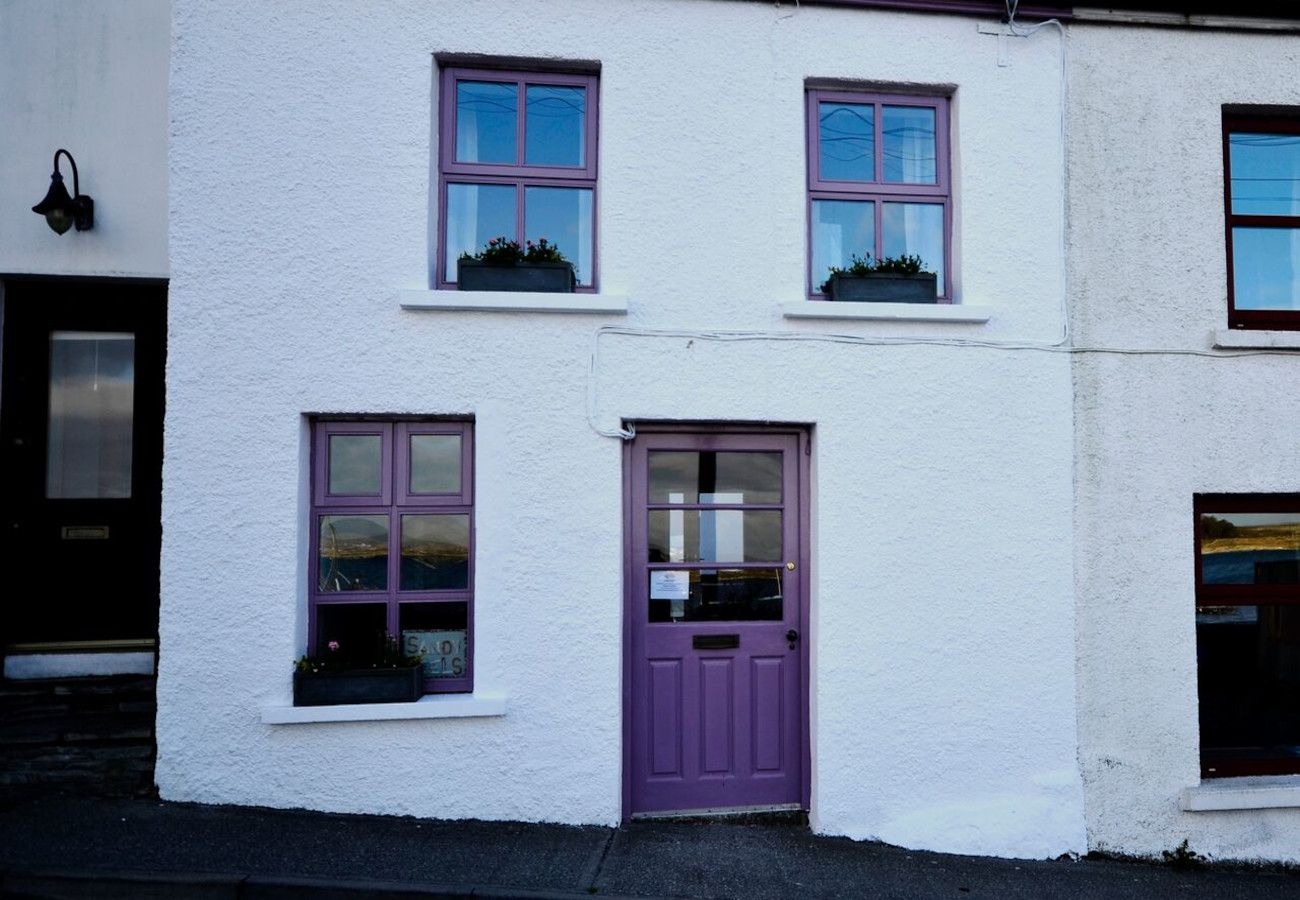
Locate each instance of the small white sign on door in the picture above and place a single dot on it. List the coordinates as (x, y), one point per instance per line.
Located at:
(669, 585)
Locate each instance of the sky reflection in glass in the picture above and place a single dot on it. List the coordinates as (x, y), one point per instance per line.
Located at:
(915, 229)
(909, 151)
(1264, 274)
(476, 213)
(1265, 174)
(554, 133)
(847, 141)
(486, 113)
(563, 217)
(841, 228)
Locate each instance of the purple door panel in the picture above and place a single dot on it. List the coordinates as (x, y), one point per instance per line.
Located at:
(716, 711)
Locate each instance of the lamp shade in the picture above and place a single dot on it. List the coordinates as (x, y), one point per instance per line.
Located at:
(57, 207)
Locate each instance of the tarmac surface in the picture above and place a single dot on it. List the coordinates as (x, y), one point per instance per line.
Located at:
(73, 847)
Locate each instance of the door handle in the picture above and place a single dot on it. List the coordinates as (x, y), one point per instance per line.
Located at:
(792, 637)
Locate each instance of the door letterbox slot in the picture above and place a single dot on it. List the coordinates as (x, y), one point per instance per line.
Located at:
(715, 641)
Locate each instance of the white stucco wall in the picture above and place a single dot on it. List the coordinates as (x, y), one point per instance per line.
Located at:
(90, 77)
(1148, 270)
(943, 688)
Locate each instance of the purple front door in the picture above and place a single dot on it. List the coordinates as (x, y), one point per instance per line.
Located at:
(716, 646)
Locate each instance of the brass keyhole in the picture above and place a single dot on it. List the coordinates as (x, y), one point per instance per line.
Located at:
(789, 567)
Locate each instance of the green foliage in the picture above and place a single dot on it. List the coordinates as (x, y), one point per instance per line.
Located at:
(1213, 527)
(384, 653)
(862, 265)
(501, 252)
(1183, 857)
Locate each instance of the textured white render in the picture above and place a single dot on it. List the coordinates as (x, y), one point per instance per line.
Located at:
(1148, 270)
(90, 77)
(943, 641)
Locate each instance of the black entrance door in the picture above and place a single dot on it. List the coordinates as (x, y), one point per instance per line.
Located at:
(81, 408)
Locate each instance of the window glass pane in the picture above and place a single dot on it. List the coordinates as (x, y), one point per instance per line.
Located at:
(435, 552)
(435, 464)
(1250, 548)
(554, 127)
(353, 553)
(476, 213)
(915, 229)
(840, 229)
(438, 630)
(359, 629)
(1265, 174)
(723, 535)
(354, 463)
(563, 217)
(691, 477)
(1248, 678)
(910, 151)
(92, 406)
(486, 116)
(1264, 273)
(711, 595)
(846, 141)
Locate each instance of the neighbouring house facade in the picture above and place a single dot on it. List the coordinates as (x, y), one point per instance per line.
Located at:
(693, 536)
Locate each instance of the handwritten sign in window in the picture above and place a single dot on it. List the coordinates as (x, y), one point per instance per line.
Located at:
(444, 651)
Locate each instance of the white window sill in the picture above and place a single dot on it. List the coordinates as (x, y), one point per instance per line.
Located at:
(1247, 339)
(479, 704)
(887, 312)
(1256, 792)
(515, 301)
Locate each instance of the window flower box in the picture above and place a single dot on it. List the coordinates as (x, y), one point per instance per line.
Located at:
(401, 685)
(548, 277)
(884, 287)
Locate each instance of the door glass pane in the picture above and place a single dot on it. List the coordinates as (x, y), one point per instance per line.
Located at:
(437, 630)
(355, 465)
(435, 552)
(840, 229)
(486, 113)
(1250, 548)
(92, 405)
(476, 213)
(1265, 174)
(711, 595)
(915, 229)
(435, 464)
(723, 535)
(353, 553)
(563, 217)
(846, 141)
(1248, 673)
(713, 477)
(909, 150)
(1264, 268)
(359, 630)
(554, 132)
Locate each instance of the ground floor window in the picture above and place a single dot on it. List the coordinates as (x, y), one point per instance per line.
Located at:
(1248, 633)
(392, 543)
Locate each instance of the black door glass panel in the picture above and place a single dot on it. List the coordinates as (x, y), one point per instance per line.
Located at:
(716, 595)
(715, 477)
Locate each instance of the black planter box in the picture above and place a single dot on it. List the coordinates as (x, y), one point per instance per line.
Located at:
(555, 278)
(358, 686)
(885, 287)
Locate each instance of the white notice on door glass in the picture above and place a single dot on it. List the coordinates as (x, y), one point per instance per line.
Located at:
(670, 585)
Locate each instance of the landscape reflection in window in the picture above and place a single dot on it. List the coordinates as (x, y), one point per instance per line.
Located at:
(1250, 548)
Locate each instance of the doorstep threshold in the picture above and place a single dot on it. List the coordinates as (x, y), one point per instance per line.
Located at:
(773, 814)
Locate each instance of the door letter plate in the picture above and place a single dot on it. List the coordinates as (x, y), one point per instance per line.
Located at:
(715, 641)
(85, 532)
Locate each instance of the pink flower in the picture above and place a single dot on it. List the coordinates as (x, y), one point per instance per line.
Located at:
(334, 645)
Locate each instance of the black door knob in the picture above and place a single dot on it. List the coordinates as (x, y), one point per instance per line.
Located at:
(792, 636)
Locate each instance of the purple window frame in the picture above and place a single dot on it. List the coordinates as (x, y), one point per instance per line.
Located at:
(518, 175)
(879, 191)
(1273, 319)
(394, 501)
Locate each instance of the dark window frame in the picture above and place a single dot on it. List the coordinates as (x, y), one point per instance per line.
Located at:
(1265, 123)
(1220, 595)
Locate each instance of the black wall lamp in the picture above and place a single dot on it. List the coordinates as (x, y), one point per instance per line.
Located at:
(61, 211)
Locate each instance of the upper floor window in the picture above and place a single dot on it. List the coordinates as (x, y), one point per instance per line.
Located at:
(1261, 160)
(878, 182)
(1248, 633)
(517, 159)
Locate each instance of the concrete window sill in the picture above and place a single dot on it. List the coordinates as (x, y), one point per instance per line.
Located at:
(887, 312)
(480, 704)
(1246, 339)
(514, 301)
(1257, 792)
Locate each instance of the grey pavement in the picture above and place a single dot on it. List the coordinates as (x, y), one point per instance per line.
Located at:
(73, 847)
